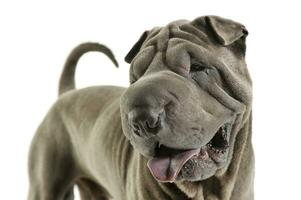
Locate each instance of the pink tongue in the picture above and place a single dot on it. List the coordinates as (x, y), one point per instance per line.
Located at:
(166, 169)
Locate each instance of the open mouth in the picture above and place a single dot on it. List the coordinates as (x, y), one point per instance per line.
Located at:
(169, 162)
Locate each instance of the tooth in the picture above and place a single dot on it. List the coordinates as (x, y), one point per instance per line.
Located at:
(203, 154)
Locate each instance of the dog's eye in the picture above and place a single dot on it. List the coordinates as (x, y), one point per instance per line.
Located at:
(196, 67)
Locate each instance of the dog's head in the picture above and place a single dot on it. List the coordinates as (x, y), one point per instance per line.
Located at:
(190, 92)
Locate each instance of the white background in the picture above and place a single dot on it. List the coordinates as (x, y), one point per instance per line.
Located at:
(36, 37)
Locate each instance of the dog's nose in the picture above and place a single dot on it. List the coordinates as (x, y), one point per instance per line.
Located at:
(144, 122)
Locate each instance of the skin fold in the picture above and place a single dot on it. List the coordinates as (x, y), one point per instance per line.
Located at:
(188, 104)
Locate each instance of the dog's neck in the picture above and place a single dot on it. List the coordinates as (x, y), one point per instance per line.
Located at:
(205, 190)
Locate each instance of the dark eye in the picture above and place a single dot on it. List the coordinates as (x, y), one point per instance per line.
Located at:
(196, 67)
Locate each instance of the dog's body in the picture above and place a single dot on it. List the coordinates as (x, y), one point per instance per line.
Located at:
(84, 138)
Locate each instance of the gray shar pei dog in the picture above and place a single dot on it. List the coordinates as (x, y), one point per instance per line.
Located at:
(181, 130)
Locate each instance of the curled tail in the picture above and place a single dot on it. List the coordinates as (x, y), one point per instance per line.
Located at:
(67, 78)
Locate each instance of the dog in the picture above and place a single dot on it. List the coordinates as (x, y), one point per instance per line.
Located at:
(181, 130)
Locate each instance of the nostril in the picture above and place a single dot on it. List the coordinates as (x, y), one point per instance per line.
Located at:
(137, 132)
(154, 122)
(151, 126)
(137, 129)
(135, 126)
(145, 122)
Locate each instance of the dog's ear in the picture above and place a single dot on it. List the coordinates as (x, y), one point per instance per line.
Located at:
(226, 31)
(135, 49)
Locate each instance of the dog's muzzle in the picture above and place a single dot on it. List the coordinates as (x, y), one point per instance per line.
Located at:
(167, 119)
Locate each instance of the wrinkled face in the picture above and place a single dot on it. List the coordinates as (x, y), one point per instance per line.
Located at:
(187, 98)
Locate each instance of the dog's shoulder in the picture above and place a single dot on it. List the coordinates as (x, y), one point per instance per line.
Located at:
(88, 100)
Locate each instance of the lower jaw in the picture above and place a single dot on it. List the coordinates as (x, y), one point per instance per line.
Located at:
(196, 176)
(198, 169)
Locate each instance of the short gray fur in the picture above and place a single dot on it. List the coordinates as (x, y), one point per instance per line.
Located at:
(90, 136)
